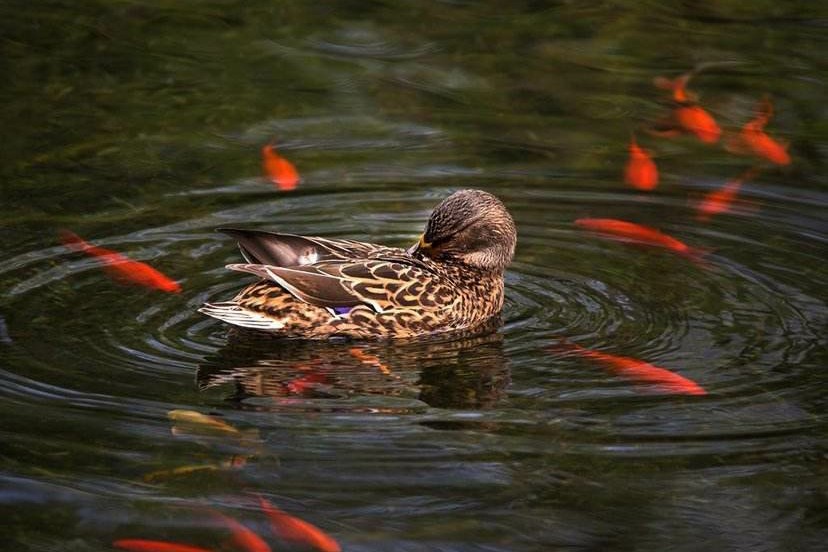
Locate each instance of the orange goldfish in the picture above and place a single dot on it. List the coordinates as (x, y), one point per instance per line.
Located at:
(305, 383)
(279, 170)
(754, 140)
(141, 545)
(161, 475)
(635, 233)
(688, 116)
(199, 421)
(677, 86)
(236, 461)
(296, 530)
(638, 370)
(696, 120)
(721, 200)
(766, 147)
(120, 267)
(367, 358)
(243, 537)
(641, 171)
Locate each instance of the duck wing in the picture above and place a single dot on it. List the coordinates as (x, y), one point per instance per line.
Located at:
(381, 284)
(277, 249)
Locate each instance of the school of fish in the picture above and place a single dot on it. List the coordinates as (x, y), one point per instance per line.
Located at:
(686, 117)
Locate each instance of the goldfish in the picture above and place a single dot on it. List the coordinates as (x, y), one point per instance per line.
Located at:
(203, 421)
(696, 120)
(766, 147)
(688, 116)
(641, 171)
(279, 170)
(305, 383)
(120, 267)
(161, 475)
(141, 545)
(367, 358)
(636, 233)
(243, 537)
(641, 371)
(677, 86)
(202, 428)
(296, 530)
(721, 200)
(754, 140)
(235, 462)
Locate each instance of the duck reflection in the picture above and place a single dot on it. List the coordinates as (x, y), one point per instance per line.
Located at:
(457, 371)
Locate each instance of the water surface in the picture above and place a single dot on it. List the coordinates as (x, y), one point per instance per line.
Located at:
(139, 125)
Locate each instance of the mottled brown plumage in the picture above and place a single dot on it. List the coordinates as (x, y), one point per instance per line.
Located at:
(316, 288)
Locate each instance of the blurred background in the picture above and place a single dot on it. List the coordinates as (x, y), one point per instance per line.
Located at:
(139, 126)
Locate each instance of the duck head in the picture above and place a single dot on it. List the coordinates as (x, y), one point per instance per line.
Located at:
(472, 227)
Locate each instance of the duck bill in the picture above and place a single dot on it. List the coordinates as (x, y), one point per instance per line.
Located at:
(419, 246)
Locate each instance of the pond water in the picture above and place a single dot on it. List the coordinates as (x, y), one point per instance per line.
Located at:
(139, 126)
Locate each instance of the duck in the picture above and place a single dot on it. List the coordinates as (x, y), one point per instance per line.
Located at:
(451, 279)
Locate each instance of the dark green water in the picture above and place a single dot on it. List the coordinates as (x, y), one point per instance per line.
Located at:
(138, 125)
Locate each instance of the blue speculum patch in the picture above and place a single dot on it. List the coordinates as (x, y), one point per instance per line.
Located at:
(342, 310)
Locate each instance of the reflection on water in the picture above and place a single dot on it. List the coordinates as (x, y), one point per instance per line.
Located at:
(453, 372)
(140, 126)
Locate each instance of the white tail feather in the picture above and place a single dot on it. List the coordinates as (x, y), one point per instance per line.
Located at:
(234, 314)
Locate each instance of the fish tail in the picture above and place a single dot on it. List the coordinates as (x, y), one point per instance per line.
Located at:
(72, 241)
(764, 110)
(565, 346)
(698, 256)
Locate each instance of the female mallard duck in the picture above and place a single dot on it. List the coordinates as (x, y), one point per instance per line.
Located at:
(316, 288)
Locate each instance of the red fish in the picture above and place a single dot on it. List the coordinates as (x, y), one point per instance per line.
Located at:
(120, 267)
(306, 383)
(641, 171)
(677, 86)
(290, 528)
(721, 200)
(696, 120)
(279, 170)
(635, 233)
(764, 146)
(754, 140)
(243, 537)
(367, 358)
(141, 545)
(641, 371)
(687, 115)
